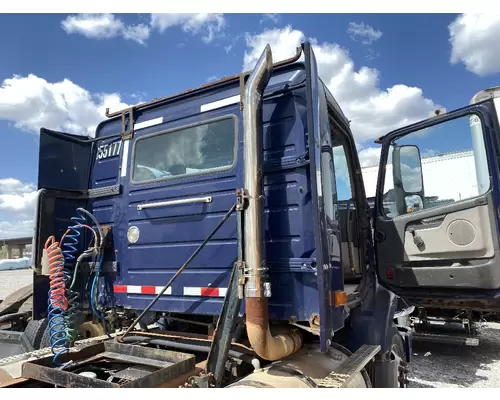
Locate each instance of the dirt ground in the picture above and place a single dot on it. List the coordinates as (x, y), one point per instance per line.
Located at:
(433, 365)
(13, 280)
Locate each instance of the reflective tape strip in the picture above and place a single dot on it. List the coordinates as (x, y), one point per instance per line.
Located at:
(220, 103)
(205, 291)
(131, 289)
(187, 291)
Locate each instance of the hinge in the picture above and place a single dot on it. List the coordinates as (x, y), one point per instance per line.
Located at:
(240, 265)
(241, 199)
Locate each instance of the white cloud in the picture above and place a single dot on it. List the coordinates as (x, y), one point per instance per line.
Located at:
(369, 157)
(274, 18)
(16, 229)
(138, 33)
(373, 111)
(31, 103)
(366, 34)
(17, 201)
(210, 25)
(233, 40)
(104, 26)
(474, 42)
(16, 195)
(371, 54)
(11, 185)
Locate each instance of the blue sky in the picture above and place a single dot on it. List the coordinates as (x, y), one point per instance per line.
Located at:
(60, 71)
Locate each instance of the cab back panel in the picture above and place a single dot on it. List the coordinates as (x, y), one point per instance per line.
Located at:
(170, 234)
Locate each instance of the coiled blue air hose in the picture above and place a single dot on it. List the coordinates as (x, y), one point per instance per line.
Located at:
(63, 300)
(70, 249)
(63, 308)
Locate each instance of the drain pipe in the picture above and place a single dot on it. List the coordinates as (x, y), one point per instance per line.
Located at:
(257, 285)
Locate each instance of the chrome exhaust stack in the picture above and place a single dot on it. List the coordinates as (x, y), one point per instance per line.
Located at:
(257, 285)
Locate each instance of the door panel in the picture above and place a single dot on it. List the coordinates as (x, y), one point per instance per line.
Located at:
(63, 178)
(438, 235)
(438, 262)
(459, 234)
(324, 216)
(64, 161)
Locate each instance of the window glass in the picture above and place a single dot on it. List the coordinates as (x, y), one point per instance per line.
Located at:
(438, 165)
(329, 193)
(193, 150)
(343, 181)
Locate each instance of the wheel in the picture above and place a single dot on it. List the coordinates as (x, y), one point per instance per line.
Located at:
(34, 332)
(89, 330)
(398, 353)
(86, 330)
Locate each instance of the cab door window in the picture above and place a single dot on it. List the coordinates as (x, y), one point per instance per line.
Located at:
(437, 165)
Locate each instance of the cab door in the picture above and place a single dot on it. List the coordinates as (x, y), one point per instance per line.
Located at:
(437, 208)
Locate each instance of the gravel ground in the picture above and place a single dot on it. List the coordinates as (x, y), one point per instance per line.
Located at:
(436, 365)
(13, 280)
(433, 364)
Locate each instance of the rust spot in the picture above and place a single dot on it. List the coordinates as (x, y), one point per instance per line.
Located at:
(331, 299)
(211, 331)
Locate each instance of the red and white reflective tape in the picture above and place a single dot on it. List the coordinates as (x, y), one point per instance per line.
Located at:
(205, 291)
(187, 291)
(131, 289)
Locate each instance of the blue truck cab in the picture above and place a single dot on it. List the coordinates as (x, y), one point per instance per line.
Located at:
(253, 163)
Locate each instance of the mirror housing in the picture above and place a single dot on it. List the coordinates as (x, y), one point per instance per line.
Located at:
(407, 177)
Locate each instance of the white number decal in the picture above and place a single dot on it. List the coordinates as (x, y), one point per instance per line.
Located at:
(109, 150)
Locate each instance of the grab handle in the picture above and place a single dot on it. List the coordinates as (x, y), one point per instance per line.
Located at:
(207, 199)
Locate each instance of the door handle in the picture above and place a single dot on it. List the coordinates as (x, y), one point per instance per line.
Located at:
(419, 242)
(207, 199)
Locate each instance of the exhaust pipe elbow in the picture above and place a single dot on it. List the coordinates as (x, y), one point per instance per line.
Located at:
(264, 344)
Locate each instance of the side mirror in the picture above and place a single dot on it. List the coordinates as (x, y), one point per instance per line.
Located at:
(407, 176)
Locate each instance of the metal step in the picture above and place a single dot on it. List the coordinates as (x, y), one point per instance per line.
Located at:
(354, 364)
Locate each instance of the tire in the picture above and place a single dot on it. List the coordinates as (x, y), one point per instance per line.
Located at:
(45, 342)
(348, 353)
(34, 332)
(397, 344)
(398, 351)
